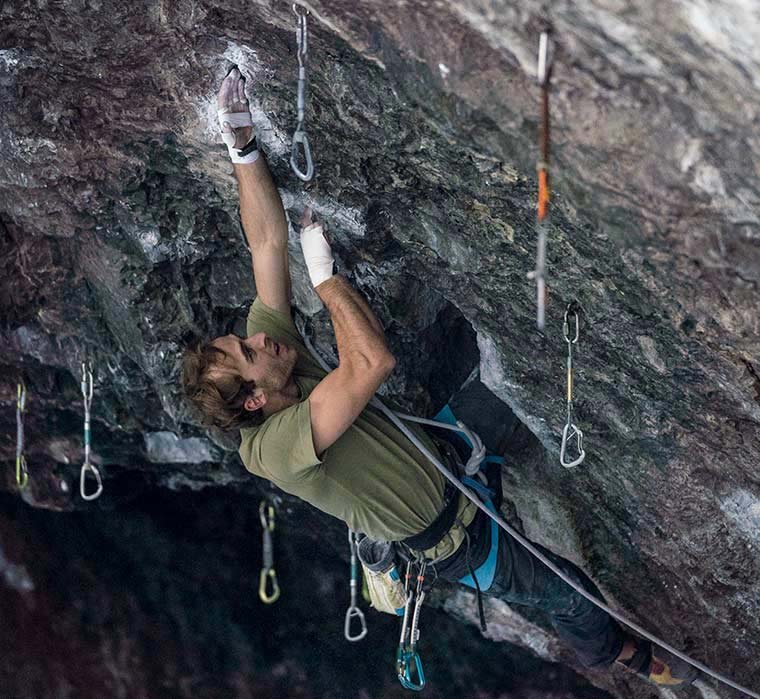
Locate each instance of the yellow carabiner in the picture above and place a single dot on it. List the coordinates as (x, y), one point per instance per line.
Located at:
(22, 474)
(264, 596)
(266, 515)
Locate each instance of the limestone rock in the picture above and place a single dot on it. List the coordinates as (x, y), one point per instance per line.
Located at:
(120, 239)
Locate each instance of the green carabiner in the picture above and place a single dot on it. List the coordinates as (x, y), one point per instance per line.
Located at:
(408, 663)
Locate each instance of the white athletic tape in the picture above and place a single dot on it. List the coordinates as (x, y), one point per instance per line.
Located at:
(234, 120)
(252, 157)
(317, 253)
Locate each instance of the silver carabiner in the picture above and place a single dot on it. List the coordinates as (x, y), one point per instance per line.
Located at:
(353, 611)
(98, 481)
(22, 472)
(87, 392)
(302, 37)
(566, 326)
(570, 432)
(302, 138)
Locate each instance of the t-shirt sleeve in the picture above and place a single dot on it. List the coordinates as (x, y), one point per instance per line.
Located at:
(262, 318)
(283, 447)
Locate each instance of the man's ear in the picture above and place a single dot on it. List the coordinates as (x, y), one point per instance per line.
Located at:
(256, 400)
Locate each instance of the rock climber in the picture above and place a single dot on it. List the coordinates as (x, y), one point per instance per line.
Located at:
(313, 435)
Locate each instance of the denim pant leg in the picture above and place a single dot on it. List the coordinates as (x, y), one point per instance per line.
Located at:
(522, 579)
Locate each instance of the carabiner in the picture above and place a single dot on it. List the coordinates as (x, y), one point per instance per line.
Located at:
(22, 473)
(268, 574)
(98, 481)
(302, 36)
(87, 393)
(266, 515)
(410, 665)
(302, 138)
(354, 613)
(571, 308)
(545, 50)
(570, 432)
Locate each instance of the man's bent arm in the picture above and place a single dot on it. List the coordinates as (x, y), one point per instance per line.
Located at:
(358, 333)
(364, 362)
(266, 231)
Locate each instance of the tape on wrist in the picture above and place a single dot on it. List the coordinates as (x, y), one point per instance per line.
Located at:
(317, 254)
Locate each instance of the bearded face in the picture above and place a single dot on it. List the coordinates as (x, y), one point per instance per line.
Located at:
(259, 358)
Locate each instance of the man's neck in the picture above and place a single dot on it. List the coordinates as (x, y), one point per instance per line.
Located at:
(282, 399)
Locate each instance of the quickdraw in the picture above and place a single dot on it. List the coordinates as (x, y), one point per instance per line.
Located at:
(353, 612)
(299, 136)
(87, 391)
(408, 662)
(571, 431)
(268, 575)
(542, 224)
(22, 474)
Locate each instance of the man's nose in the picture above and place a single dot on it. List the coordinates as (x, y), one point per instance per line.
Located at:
(260, 340)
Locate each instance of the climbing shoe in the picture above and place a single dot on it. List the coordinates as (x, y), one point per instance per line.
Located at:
(659, 666)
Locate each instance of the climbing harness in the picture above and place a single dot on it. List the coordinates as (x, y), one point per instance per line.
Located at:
(571, 431)
(87, 390)
(299, 136)
(353, 612)
(22, 474)
(542, 224)
(268, 575)
(495, 516)
(478, 454)
(408, 663)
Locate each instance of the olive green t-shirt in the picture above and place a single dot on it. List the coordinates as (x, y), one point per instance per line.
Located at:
(373, 478)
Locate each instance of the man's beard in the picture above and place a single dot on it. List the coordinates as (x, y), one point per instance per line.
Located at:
(281, 376)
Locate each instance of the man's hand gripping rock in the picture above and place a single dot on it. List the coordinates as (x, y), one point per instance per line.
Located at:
(316, 249)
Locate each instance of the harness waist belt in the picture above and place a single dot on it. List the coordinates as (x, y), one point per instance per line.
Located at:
(434, 533)
(437, 530)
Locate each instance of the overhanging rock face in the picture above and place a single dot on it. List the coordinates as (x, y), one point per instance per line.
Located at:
(120, 239)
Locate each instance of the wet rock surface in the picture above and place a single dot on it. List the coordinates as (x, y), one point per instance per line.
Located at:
(119, 239)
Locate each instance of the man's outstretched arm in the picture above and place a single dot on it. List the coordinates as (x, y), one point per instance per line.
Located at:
(261, 210)
(266, 230)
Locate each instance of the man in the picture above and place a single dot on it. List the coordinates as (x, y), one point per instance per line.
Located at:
(313, 435)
